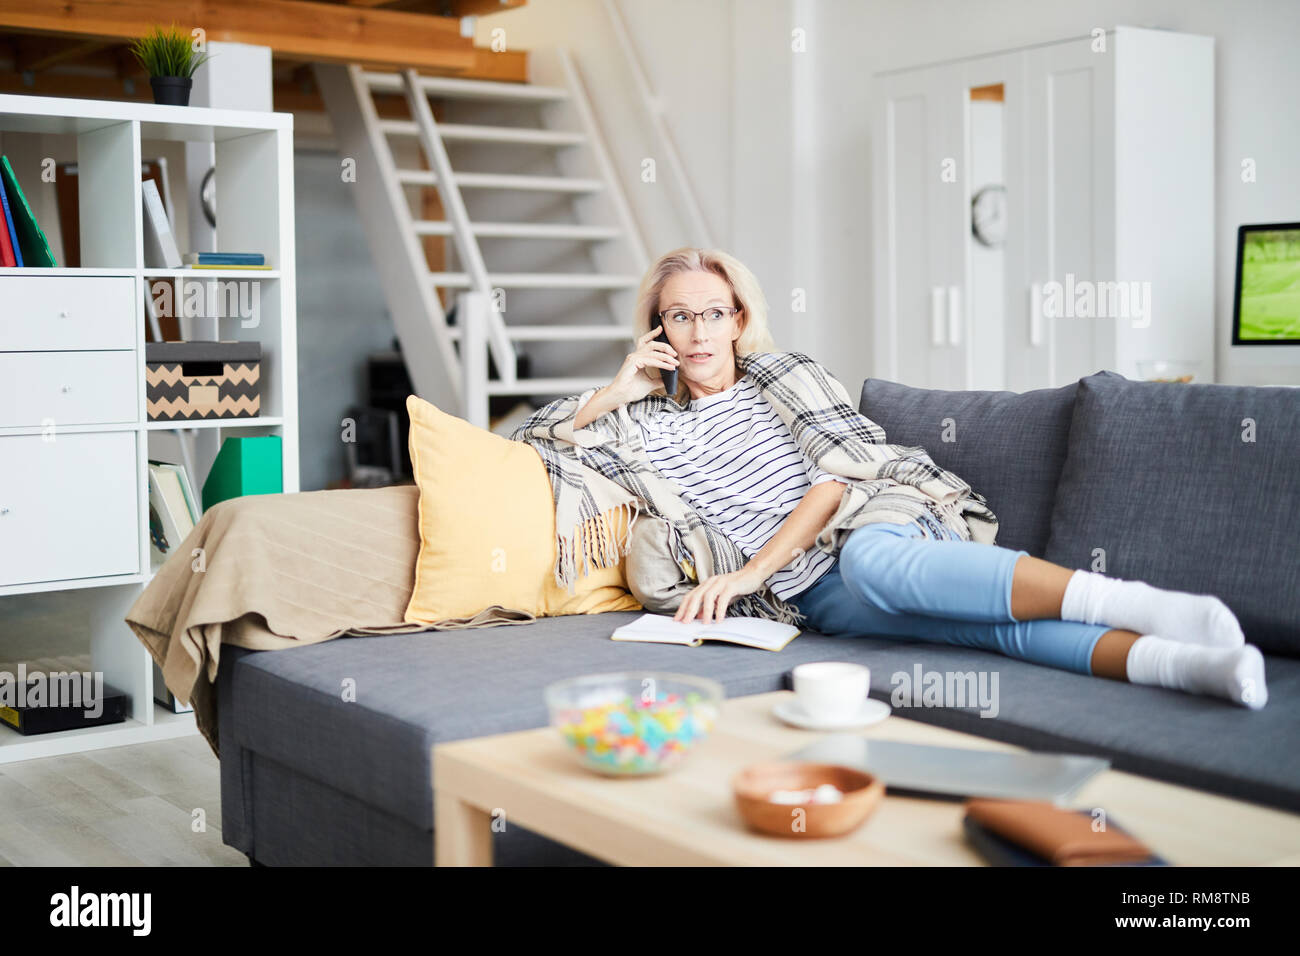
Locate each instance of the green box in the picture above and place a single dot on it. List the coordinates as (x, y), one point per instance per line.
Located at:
(245, 466)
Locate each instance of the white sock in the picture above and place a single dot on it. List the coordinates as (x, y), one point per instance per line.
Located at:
(1093, 598)
(1235, 673)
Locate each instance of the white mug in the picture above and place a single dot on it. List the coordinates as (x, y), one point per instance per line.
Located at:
(831, 690)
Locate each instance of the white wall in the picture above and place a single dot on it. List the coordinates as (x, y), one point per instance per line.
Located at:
(729, 81)
(777, 143)
(687, 51)
(1257, 73)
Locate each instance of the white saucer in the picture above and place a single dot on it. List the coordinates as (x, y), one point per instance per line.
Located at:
(792, 712)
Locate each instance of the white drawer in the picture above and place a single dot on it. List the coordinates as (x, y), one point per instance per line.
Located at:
(72, 388)
(68, 507)
(39, 313)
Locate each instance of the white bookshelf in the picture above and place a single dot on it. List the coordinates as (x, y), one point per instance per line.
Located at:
(78, 520)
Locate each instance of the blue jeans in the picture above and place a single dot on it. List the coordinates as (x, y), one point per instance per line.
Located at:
(891, 580)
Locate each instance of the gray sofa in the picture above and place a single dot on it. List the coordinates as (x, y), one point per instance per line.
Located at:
(1191, 487)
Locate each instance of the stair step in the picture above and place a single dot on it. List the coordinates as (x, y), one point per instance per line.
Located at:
(488, 134)
(538, 280)
(546, 386)
(520, 230)
(560, 333)
(559, 184)
(450, 86)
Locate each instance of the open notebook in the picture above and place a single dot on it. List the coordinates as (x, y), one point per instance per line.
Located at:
(749, 631)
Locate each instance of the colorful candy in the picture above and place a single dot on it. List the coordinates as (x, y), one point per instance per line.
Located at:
(632, 735)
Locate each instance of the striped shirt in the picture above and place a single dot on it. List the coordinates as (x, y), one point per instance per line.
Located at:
(737, 464)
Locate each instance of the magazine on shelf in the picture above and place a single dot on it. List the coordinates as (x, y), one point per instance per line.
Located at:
(170, 515)
(30, 247)
(160, 249)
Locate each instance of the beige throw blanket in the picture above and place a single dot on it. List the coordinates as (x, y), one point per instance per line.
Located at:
(280, 571)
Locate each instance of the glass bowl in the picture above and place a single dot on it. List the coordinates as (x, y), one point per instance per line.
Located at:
(1159, 370)
(633, 723)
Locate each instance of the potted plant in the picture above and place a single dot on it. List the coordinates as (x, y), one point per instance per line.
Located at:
(168, 56)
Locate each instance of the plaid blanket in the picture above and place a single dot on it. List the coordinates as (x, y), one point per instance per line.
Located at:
(603, 481)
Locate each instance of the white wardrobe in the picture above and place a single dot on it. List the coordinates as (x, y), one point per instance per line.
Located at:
(1046, 212)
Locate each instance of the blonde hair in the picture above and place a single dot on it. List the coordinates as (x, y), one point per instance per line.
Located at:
(755, 336)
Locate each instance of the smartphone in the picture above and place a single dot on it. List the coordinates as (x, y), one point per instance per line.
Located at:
(669, 376)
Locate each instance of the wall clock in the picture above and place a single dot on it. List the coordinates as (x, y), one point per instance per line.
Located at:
(988, 215)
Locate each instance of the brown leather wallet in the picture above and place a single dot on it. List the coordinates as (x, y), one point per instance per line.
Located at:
(1064, 837)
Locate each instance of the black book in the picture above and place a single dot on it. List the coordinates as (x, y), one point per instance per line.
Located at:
(42, 718)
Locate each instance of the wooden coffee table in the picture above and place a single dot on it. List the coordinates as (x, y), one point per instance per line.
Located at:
(688, 816)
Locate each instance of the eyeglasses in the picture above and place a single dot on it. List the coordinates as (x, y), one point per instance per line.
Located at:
(680, 318)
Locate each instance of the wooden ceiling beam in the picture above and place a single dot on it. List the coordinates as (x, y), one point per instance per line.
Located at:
(80, 86)
(73, 51)
(444, 8)
(508, 66)
(293, 89)
(481, 8)
(325, 32)
(289, 95)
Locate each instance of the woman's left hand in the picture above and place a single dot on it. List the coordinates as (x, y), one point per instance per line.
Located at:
(709, 601)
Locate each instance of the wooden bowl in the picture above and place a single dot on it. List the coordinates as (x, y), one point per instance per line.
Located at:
(753, 786)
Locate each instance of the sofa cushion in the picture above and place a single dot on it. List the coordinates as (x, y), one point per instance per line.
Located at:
(487, 528)
(1008, 446)
(1191, 488)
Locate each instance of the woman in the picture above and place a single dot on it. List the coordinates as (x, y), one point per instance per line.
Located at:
(737, 464)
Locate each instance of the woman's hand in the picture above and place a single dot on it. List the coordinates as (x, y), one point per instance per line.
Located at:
(709, 601)
(634, 380)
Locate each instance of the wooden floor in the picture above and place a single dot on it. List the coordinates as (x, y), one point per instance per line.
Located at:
(125, 806)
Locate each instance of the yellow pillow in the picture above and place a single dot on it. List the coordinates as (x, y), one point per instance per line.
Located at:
(487, 528)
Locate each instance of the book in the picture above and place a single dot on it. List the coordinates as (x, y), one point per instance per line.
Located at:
(169, 515)
(748, 631)
(27, 234)
(6, 243)
(160, 250)
(191, 502)
(224, 258)
(225, 266)
(174, 495)
(15, 257)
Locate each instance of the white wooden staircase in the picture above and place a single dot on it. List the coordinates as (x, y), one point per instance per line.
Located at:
(448, 363)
